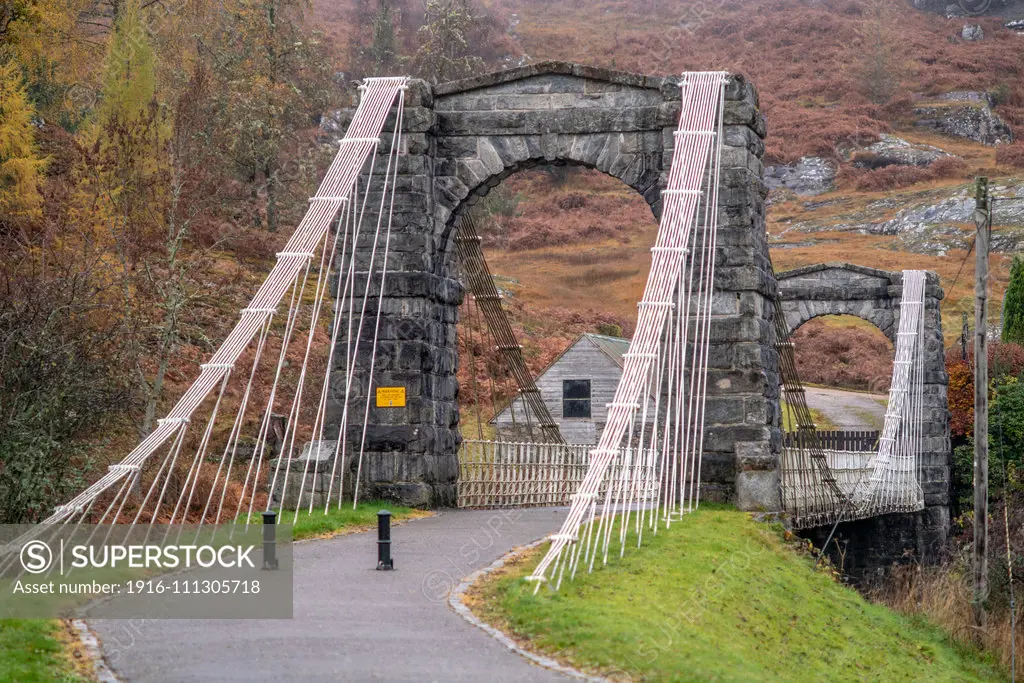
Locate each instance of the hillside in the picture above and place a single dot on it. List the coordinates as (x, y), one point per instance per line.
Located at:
(823, 67)
(719, 597)
(834, 76)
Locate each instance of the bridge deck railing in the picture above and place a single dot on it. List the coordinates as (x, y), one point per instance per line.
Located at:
(850, 468)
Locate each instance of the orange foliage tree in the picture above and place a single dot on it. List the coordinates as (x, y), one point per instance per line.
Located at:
(1005, 360)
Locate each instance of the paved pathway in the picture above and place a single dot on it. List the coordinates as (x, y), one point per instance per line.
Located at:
(352, 623)
(848, 410)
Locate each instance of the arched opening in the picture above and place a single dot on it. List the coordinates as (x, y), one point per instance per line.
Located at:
(845, 364)
(568, 248)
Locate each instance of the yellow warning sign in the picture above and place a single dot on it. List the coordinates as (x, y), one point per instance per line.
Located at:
(390, 397)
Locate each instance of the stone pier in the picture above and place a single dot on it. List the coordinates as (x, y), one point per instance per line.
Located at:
(462, 139)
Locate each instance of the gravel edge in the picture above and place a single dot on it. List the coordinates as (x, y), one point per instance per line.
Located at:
(455, 601)
(91, 645)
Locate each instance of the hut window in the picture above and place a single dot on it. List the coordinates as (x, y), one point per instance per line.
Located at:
(576, 398)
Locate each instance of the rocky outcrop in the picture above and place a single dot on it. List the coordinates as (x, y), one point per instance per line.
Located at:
(931, 221)
(894, 151)
(945, 217)
(808, 177)
(972, 32)
(964, 115)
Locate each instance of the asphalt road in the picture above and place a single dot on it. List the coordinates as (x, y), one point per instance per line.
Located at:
(352, 623)
(848, 410)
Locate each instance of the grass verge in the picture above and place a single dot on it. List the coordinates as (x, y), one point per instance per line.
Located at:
(37, 650)
(721, 597)
(345, 520)
(789, 419)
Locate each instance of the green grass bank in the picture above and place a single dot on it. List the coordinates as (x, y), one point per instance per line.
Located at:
(720, 597)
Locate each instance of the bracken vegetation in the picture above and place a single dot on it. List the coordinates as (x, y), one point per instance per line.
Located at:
(838, 352)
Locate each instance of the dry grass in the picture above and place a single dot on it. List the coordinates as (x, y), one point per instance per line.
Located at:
(942, 595)
(806, 59)
(809, 60)
(585, 206)
(1011, 155)
(894, 176)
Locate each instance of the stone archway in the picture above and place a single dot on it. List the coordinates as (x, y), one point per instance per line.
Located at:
(874, 295)
(463, 138)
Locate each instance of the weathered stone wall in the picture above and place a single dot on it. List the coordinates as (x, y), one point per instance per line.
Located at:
(464, 138)
(875, 295)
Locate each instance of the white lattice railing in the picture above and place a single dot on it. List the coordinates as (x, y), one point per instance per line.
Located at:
(851, 469)
(495, 474)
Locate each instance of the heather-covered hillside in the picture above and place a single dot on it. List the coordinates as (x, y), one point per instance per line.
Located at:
(848, 84)
(831, 72)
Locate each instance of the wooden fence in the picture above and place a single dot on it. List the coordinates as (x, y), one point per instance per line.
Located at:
(835, 440)
(497, 474)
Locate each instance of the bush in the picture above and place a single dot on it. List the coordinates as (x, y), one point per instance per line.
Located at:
(963, 477)
(501, 202)
(1010, 155)
(559, 174)
(1013, 304)
(876, 177)
(960, 396)
(1006, 424)
(1000, 94)
(61, 375)
(1006, 361)
(1005, 446)
(948, 167)
(572, 201)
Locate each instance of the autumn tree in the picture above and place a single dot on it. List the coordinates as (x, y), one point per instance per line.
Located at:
(878, 67)
(276, 84)
(127, 139)
(445, 51)
(137, 188)
(61, 375)
(384, 49)
(20, 165)
(44, 38)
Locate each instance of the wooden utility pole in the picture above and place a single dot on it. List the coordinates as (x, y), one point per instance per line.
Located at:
(981, 218)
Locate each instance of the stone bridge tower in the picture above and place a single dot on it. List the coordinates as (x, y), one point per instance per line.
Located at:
(874, 295)
(462, 139)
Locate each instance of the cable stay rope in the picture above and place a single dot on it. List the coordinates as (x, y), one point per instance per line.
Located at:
(665, 371)
(263, 396)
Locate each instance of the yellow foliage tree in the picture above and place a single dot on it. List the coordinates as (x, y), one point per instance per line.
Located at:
(20, 165)
(128, 139)
(129, 84)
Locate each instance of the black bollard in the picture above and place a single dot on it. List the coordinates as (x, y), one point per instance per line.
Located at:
(384, 560)
(269, 540)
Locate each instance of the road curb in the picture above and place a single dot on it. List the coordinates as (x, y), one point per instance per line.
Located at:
(455, 601)
(91, 644)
